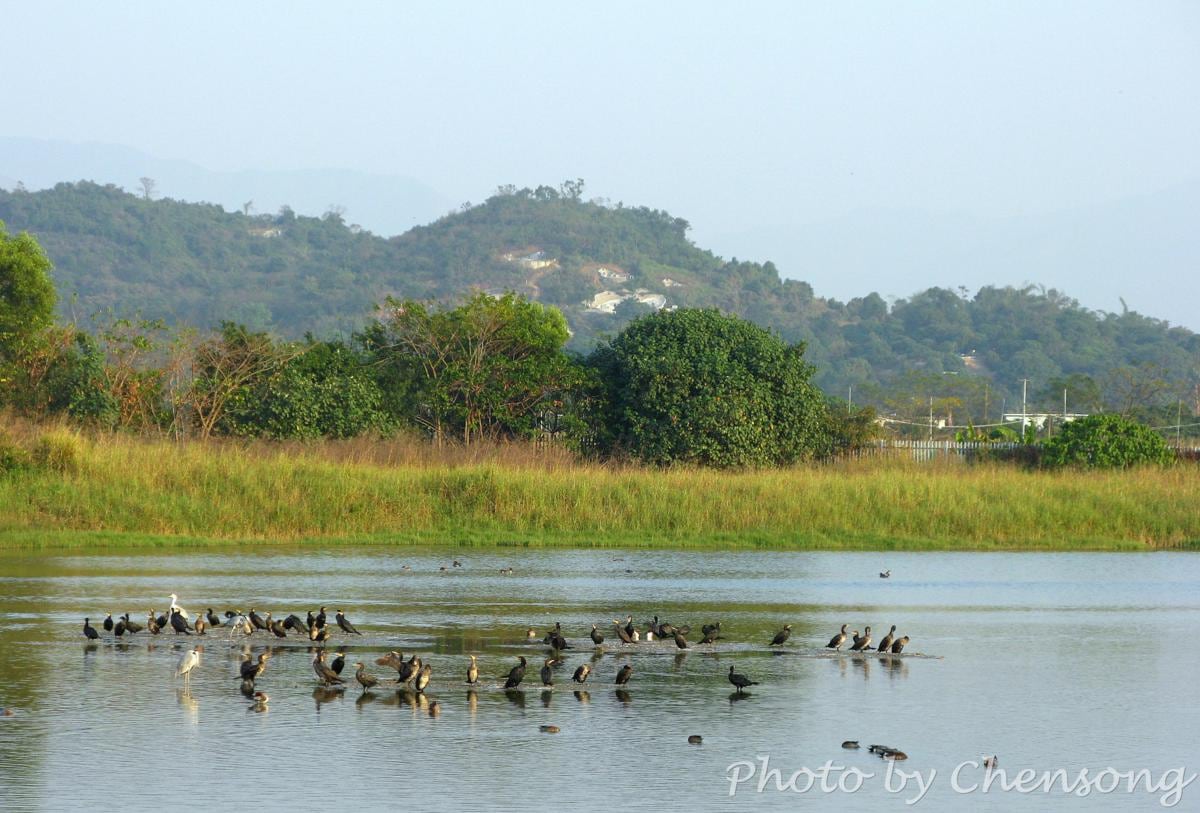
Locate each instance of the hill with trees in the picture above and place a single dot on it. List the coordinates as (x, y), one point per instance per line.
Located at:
(602, 265)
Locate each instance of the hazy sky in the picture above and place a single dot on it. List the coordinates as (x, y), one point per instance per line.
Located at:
(730, 115)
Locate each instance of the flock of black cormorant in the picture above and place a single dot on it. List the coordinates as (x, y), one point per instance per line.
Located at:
(414, 674)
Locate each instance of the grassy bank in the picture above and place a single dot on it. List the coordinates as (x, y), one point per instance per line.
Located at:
(113, 491)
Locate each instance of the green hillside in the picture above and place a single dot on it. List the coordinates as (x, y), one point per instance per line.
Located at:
(197, 263)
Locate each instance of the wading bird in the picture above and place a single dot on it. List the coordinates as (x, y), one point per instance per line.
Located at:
(251, 670)
(516, 674)
(327, 676)
(740, 681)
(624, 674)
(838, 640)
(547, 672)
(108, 623)
(862, 643)
(189, 661)
(888, 640)
(597, 638)
(345, 624)
(581, 674)
(472, 672)
(175, 608)
(782, 636)
(89, 631)
(365, 680)
(898, 647)
(339, 662)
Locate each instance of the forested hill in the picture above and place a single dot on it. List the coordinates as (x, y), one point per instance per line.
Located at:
(602, 264)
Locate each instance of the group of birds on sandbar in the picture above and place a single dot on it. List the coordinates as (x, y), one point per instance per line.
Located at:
(414, 674)
(862, 643)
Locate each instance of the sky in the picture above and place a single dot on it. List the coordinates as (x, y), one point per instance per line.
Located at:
(734, 116)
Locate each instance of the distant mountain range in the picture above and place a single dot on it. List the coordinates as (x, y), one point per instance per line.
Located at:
(602, 265)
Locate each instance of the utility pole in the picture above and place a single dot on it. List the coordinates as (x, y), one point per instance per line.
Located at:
(1024, 419)
(931, 418)
(850, 401)
(1178, 421)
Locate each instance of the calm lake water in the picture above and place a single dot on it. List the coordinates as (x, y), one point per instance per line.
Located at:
(1049, 661)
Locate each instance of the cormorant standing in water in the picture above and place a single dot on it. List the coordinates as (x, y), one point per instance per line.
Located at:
(213, 620)
(472, 672)
(276, 627)
(782, 635)
(409, 669)
(89, 631)
(887, 641)
(346, 626)
(131, 626)
(862, 643)
(392, 660)
(256, 620)
(339, 662)
(898, 647)
(624, 674)
(711, 629)
(119, 628)
(740, 681)
(312, 619)
(629, 628)
(162, 620)
(326, 675)
(295, 622)
(680, 641)
(152, 624)
(318, 634)
(201, 625)
(838, 640)
(423, 678)
(320, 619)
(556, 637)
(251, 670)
(365, 680)
(108, 623)
(516, 674)
(547, 674)
(581, 674)
(597, 638)
(621, 633)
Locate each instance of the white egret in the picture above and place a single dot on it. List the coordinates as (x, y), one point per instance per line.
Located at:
(175, 608)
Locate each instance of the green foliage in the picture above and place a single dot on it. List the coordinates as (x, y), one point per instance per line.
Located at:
(851, 428)
(13, 458)
(293, 275)
(487, 368)
(1106, 442)
(27, 294)
(59, 450)
(696, 386)
(325, 391)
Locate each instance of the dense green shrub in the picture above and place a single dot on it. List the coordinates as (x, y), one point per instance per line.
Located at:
(1106, 441)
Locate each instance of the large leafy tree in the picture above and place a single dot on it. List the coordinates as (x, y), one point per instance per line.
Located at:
(27, 293)
(1106, 441)
(489, 367)
(696, 386)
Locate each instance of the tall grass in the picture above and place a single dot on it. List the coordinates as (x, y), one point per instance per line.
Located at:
(121, 490)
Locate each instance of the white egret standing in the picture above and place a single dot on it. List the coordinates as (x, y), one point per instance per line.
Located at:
(187, 663)
(175, 608)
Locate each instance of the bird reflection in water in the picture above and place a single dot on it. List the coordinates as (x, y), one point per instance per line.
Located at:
(189, 704)
(738, 697)
(326, 694)
(895, 666)
(547, 696)
(363, 699)
(582, 696)
(624, 696)
(680, 657)
(516, 697)
(864, 666)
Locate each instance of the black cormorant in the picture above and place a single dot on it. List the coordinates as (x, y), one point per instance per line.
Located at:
(624, 674)
(782, 635)
(345, 624)
(516, 674)
(888, 640)
(89, 631)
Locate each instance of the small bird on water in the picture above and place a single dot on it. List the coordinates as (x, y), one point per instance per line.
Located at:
(581, 674)
(861, 644)
(781, 637)
(624, 674)
(89, 631)
(472, 672)
(327, 676)
(838, 640)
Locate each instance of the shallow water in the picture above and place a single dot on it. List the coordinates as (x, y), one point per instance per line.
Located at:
(1047, 660)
